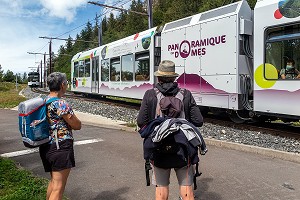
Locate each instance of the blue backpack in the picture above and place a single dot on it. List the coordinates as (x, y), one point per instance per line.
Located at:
(33, 123)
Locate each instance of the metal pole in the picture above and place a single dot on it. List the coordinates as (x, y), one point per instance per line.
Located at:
(45, 72)
(150, 18)
(50, 57)
(100, 33)
(16, 81)
(41, 74)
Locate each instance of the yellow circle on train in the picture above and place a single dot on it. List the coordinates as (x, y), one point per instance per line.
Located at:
(266, 75)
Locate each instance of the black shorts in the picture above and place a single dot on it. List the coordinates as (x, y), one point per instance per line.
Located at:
(57, 159)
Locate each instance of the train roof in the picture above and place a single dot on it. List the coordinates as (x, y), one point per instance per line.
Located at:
(216, 13)
(97, 51)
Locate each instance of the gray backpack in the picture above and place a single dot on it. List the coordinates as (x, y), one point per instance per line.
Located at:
(170, 106)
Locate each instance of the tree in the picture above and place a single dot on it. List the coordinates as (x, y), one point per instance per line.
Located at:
(24, 78)
(1, 74)
(135, 22)
(9, 76)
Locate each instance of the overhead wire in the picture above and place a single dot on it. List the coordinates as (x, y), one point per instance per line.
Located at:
(96, 17)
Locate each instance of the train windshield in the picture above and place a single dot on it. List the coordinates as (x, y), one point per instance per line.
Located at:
(33, 76)
(282, 53)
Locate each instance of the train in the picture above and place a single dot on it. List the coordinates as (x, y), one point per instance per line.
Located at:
(229, 58)
(34, 79)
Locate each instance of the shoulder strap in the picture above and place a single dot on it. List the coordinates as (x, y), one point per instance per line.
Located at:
(159, 96)
(180, 95)
(50, 100)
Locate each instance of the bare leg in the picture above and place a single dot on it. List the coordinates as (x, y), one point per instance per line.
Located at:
(162, 193)
(58, 182)
(186, 192)
(49, 189)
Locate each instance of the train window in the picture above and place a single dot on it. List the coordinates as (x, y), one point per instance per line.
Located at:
(87, 67)
(142, 67)
(81, 69)
(281, 49)
(115, 69)
(97, 68)
(127, 68)
(75, 73)
(104, 70)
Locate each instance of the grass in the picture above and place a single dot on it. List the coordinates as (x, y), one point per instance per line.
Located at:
(9, 96)
(19, 184)
(136, 101)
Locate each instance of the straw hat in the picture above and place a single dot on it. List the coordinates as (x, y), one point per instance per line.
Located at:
(166, 68)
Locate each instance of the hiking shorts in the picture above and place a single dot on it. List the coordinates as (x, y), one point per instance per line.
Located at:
(57, 159)
(161, 177)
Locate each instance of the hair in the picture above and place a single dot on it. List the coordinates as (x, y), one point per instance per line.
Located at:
(164, 79)
(55, 80)
(290, 60)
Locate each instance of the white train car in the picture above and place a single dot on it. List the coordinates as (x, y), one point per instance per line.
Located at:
(121, 68)
(230, 58)
(34, 79)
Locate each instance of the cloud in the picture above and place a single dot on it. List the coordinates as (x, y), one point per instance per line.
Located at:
(65, 9)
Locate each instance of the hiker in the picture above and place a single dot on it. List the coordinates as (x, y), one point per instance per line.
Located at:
(58, 155)
(148, 111)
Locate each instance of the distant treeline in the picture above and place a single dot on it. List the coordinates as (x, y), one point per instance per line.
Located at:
(128, 23)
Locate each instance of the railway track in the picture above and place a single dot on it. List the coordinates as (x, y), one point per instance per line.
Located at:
(96, 98)
(286, 130)
(275, 128)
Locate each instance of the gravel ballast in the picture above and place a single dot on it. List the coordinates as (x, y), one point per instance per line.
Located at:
(208, 130)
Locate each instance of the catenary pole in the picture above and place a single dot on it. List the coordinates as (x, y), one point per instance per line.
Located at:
(45, 72)
(50, 57)
(150, 18)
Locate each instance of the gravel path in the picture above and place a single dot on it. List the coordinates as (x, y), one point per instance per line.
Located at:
(208, 130)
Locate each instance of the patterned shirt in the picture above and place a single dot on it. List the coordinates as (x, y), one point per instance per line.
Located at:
(289, 74)
(56, 110)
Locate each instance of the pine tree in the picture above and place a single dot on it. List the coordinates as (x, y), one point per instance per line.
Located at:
(1, 74)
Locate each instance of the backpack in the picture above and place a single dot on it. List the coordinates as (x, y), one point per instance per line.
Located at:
(170, 106)
(167, 153)
(33, 123)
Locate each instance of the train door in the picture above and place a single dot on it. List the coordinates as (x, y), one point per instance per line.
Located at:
(95, 75)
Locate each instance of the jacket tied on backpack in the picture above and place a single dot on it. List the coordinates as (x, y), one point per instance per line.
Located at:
(184, 133)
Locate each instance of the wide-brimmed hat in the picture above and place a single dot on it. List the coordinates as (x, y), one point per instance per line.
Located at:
(166, 68)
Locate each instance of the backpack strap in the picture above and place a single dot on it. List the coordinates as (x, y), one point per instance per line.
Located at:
(159, 96)
(147, 169)
(197, 174)
(180, 95)
(47, 102)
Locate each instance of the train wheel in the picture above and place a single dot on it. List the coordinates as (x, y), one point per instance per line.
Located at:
(236, 117)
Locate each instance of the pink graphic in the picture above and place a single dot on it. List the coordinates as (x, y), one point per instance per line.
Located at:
(185, 49)
(195, 83)
(136, 36)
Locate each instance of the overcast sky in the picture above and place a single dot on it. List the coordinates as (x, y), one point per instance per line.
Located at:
(22, 22)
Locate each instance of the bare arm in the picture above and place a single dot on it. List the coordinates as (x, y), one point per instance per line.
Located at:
(72, 121)
(298, 76)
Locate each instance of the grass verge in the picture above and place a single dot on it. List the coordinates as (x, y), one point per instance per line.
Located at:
(19, 184)
(9, 96)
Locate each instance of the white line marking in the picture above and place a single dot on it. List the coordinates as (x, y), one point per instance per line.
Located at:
(19, 153)
(29, 151)
(88, 141)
